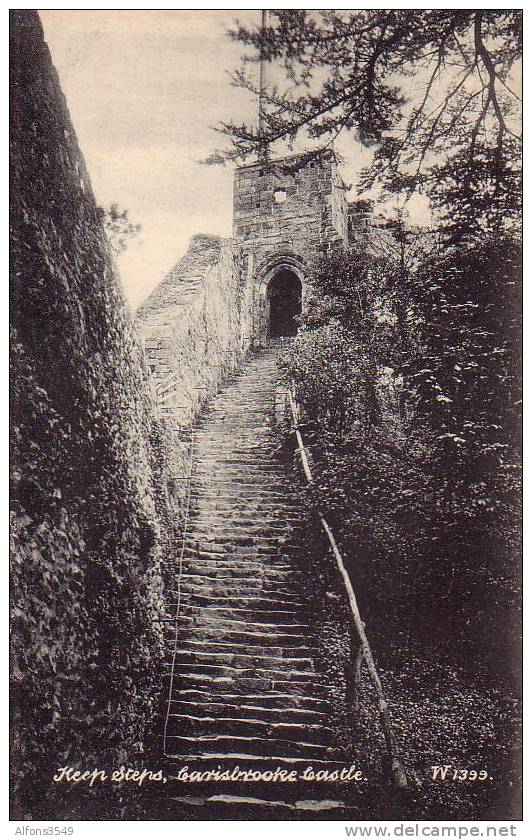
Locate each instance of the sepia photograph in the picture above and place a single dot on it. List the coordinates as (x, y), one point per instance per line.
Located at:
(265, 313)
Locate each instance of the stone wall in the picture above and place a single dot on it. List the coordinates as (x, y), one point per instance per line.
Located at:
(196, 328)
(284, 211)
(86, 490)
(281, 206)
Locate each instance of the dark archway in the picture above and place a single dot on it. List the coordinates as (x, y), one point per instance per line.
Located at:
(284, 303)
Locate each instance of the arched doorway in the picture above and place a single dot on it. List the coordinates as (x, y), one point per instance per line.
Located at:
(284, 303)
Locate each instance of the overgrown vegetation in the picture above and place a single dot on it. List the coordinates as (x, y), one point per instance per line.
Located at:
(407, 364)
(409, 386)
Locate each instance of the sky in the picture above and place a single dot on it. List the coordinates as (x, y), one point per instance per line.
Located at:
(145, 89)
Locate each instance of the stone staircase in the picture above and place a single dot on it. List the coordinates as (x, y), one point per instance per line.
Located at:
(247, 691)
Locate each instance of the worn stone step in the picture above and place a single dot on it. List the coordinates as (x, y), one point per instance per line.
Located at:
(246, 548)
(239, 579)
(229, 616)
(231, 515)
(245, 596)
(184, 723)
(270, 700)
(208, 760)
(277, 616)
(233, 586)
(229, 463)
(222, 576)
(245, 535)
(256, 806)
(249, 711)
(232, 624)
(212, 631)
(244, 686)
(262, 746)
(221, 505)
(224, 571)
(304, 651)
(257, 483)
(274, 557)
(237, 523)
(250, 493)
(243, 659)
(239, 671)
(253, 602)
(244, 514)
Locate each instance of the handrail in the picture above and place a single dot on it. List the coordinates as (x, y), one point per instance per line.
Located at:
(397, 771)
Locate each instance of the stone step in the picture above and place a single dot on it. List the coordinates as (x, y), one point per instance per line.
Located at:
(180, 723)
(269, 700)
(234, 586)
(268, 514)
(255, 805)
(212, 631)
(237, 576)
(236, 523)
(251, 601)
(194, 611)
(247, 711)
(184, 667)
(228, 464)
(264, 747)
(249, 493)
(247, 596)
(238, 566)
(246, 547)
(209, 760)
(242, 557)
(229, 534)
(244, 660)
(208, 645)
(256, 483)
(245, 686)
(232, 514)
(229, 625)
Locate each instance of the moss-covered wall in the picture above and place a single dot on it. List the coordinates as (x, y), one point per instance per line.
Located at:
(87, 490)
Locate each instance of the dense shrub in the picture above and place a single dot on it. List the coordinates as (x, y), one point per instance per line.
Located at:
(409, 388)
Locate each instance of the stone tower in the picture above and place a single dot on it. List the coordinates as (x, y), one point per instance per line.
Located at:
(284, 210)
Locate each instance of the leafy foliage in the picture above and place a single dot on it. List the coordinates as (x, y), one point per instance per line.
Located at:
(409, 386)
(120, 230)
(419, 86)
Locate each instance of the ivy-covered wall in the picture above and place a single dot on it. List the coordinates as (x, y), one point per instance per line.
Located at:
(86, 492)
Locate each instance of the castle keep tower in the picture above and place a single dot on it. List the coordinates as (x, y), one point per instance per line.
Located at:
(283, 211)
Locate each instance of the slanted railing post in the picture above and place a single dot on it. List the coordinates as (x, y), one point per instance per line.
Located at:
(396, 769)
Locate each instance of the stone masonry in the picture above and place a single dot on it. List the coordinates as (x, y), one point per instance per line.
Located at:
(244, 659)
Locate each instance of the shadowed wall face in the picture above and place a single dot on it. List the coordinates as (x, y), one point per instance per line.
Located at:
(86, 505)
